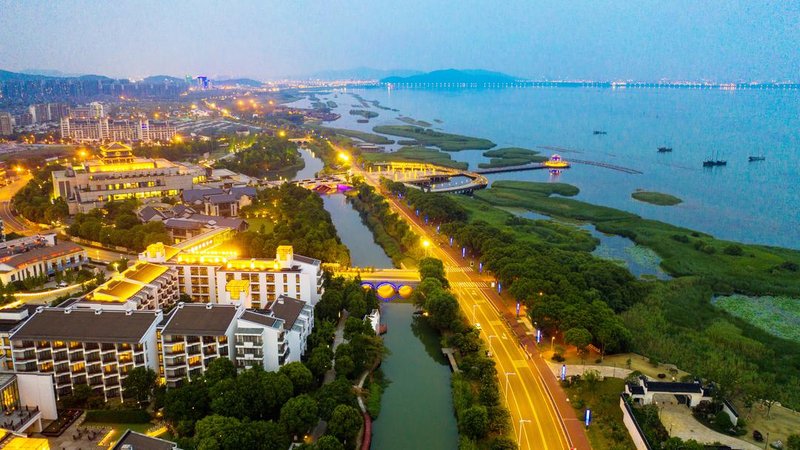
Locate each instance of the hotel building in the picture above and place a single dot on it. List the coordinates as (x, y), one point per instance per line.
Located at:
(38, 256)
(119, 175)
(143, 286)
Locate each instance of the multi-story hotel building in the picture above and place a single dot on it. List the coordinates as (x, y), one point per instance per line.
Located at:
(82, 346)
(38, 256)
(119, 175)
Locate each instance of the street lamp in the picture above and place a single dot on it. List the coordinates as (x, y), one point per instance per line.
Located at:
(552, 342)
(425, 244)
(491, 349)
(506, 390)
(521, 422)
(474, 317)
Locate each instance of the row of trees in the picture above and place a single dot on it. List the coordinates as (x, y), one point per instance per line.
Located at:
(34, 202)
(178, 151)
(267, 155)
(482, 420)
(437, 207)
(117, 224)
(300, 220)
(390, 231)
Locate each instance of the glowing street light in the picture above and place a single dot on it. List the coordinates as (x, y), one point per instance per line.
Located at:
(344, 157)
(426, 244)
(281, 133)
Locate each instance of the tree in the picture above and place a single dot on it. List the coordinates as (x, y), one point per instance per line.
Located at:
(219, 369)
(301, 377)
(345, 423)
(579, 337)
(433, 268)
(139, 384)
(793, 442)
(319, 361)
(329, 396)
(185, 406)
(475, 422)
(328, 442)
(503, 443)
(299, 414)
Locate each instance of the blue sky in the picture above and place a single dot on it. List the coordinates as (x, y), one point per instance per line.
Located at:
(642, 39)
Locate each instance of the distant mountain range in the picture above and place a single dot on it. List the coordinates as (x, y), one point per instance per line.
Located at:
(454, 76)
(50, 73)
(359, 73)
(163, 79)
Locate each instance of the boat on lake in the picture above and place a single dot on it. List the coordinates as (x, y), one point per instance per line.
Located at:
(664, 149)
(599, 132)
(714, 161)
(756, 158)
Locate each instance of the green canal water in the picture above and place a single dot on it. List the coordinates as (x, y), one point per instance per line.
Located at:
(416, 408)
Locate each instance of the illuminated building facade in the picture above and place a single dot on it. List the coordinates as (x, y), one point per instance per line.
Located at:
(119, 175)
(81, 346)
(143, 286)
(38, 256)
(105, 130)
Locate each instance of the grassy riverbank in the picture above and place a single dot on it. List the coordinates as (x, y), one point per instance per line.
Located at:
(511, 156)
(415, 154)
(363, 113)
(656, 198)
(728, 266)
(428, 137)
(360, 135)
(414, 122)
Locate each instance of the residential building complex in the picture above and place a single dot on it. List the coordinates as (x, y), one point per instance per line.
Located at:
(184, 223)
(104, 129)
(82, 346)
(143, 286)
(117, 175)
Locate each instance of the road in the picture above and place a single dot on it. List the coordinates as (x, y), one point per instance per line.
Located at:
(12, 223)
(541, 416)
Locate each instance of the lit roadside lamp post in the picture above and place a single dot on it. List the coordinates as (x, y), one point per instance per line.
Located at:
(491, 349)
(426, 245)
(474, 317)
(506, 390)
(521, 423)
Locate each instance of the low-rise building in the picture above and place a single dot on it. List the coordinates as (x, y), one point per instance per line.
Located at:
(260, 340)
(42, 259)
(298, 322)
(133, 440)
(81, 346)
(118, 175)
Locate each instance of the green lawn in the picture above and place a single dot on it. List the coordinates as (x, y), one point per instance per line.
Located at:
(656, 198)
(428, 137)
(606, 431)
(255, 224)
(415, 154)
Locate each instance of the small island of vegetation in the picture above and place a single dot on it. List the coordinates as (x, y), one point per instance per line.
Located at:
(511, 156)
(415, 122)
(363, 113)
(656, 198)
(427, 137)
(360, 135)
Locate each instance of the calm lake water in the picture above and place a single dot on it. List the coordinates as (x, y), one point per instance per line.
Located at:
(416, 407)
(749, 202)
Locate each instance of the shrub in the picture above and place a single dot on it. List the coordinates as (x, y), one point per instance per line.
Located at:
(723, 421)
(662, 375)
(557, 357)
(733, 250)
(118, 416)
(681, 238)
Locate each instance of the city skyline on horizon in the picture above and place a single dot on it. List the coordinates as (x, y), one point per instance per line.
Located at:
(603, 41)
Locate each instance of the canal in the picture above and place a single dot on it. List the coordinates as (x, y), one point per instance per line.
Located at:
(416, 407)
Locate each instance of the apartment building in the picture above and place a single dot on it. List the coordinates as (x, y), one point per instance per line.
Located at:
(260, 339)
(143, 286)
(83, 346)
(6, 123)
(118, 175)
(105, 130)
(192, 336)
(298, 322)
(203, 275)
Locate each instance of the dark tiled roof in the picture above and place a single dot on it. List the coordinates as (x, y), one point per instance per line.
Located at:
(193, 195)
(183, 224)
(179, 210)
(148, 212)
(259, 318)
(42, 254)
(86, 325)
(662, 386)
(200, 319)
(139, 441)
(306, 259)
(222, 198)
(288, 309)
(635, 389)
(244, 190)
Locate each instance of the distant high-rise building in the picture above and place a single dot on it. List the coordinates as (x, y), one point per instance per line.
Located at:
(6, 124)
(203, 82)
(93, 110)
(104, 129)
(40, 112)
